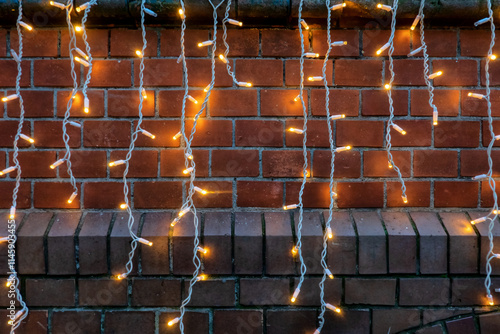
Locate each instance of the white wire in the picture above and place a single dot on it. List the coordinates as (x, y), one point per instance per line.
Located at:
(224, 40)
(391, 102)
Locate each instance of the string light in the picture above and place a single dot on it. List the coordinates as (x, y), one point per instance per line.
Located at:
(150, 12)
(295, 130)
(4, 239)
(339, 43)
(116, 163)
(435, 74)
(316, 78)
(478, 220)
(295, 295)
(244, 84)
(342, 149)
(482, 21)
(311, 55)
(188, 170)
(480, 177)
(290, 207)
(124, 206)
(383, 48)
(8, 170)
(335, 117)
(415, 22)
(78, 29)
(234, 22)
(492, 57)
(82, 7)
(205, 43)
(329, 273)
(81, 61)
(333, 308)
(192, 99)
(15, 56)
(177, 136)
(201, 278)
(297, 98)
(405, 199)
(25, 25)
(138, 53)
(490, 300)
(414, 52)
(183, 212)
(201, 191)
(86, 104)
(207, 88)
(10, 97)
(57, 163)
(12, 212)
(72, 197)
(202, 250)
(476, 96)
(81, 53)
(384, 7)
(57, 4)
(399, 129)
(173, 321)
(294, 250)
(329, 232)
(181, 14)
(147, 134)
(145, 242)
(387, 86)
(121, 276)
(304, 24)
(224, 59)
(338, 6)
(144, 94)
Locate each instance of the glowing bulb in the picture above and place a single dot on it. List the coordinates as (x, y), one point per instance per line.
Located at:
(297, 98)
(144, 94)
(123, 206)
(145, 242)
(482, 21)
(390, 165)
(221, 57)
(294, 130)
(478, 220)
(189, 156)
(493, 57)
(57, 4)
(490, 300)
(116, 163)
(9, 97)
(12, 212)
(294, 250)
(78, 29)
(339, 43)
(199, 190)
(387, 86)
(317, 78)
(181, 14)
(121, 276)
(415, 22)
(72, 197)
(329, 232)
(384, 7)
(174, 222)
(304, 24)
(414, 52)
(311, 55)
(405, 199)
(244, 84)
(57, 163)
(201, 277)
(317, 331)
(3, 239)
(183, 212)
(150, 12)
(435, 116)
(86, 104)
(138, 53)
(382, 49)
(205, 43)
(338, 6)
(202, 250)
(81, 53)
(206, 89)
(176, 320)
(177, 135)
(480, 177)
(295, 294)
(328, 273)
(82, 7)
(435, 75)
(234, 22)
(192, 99)
(148, 134)
(28, 139)
(343, 148)
(81, 61)
(25, 25)
(188, 170)
(7, 170)
(476, 96)
(333, 308)
(290, 207)
(399, 129)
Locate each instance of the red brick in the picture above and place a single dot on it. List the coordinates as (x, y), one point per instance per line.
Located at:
(270, 133)
(163, 132)
(474, 107)
(342, 101)
(53, 72)
(342, 252)
(360, 195)
(170, 103)
(106, 134)
(400, 236)
(456, 72)
(494, 71)
(242, 42)
(475, 43)
(125, 103)
(124, 43)
(243, 321)
(347, 164)
(155, 260)
(38, 43)
(157, 194)
(433, 243)
(9, 73)
(317, 133)
(446, 101)
(282, 43)
(37, 103)
(418, 133)
(374, 39)
(194, 322)
(23, 197)
(96, 103)
(248, 242)
(376, 163)
(50, 134)
(103, 195)
(156, 292)
(348, 133)
(50, 292)
(312, 68)
(247, 190)
(320, 46)
(372, 291)
(92, 243)
(119, 244)
(234, 102)
(51, 195)
(113, 73)
(35, 163)
(456, 134)
(279, 244)
(455, 194)
(172, 163)
(290, 321)
(271, 291)
(260, 72)
(376, 103)
(217, 239)
(475, 162)
(408, 72)
(316, 194)
(88, 164)
(483, 230)
(159, 72)
(462, 243)
(372, 243)
(397, 320)
(200, 73)
(282, 163)
(220, 194)
(440, 43)
(182, 245)
(235, 163)
(432, 163)
(142, 164)
(417, 192)
(213, 293)
(97, 39)
(211, 132)
(490, 323)
(84, 321)
(170, 41)
(30, 243)
(487, 195)
(123, 321)
(461, 325)
(8, 130)
(61, 244)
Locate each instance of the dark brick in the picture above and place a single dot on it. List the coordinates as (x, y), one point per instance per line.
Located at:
(61, 244)
(50, 292)
(310, 292)
(182, 249)
(470, 291)
(248, 242)
(349, 321)
(490, 323)
(102, 292)
(424, 291)
(92, 243)
(342, 250)
(156, 292)
(279, 244)
(459, 326)
(293, 321)
(30, 248)
(83, 322)
(394, 320)
(217, 238)
(119, 243)
(271, 291)
(155, 259)
(312, 240)
(240, 321)
(483, 229)
(372, 243)
(400, 236)
(129, 322)
(433, 246)
(213, 293)
(372, 291)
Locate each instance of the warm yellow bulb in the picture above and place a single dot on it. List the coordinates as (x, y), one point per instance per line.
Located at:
(123, 206)
(138, 53)
(78, 29)
(293, 299)
(12, 216)
(493, 57)
(387, 86)
(379, 5)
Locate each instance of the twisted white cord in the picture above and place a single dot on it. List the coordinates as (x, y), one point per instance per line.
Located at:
(224, 40)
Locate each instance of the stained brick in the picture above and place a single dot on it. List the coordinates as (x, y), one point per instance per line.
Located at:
(50, 292)
(248, 240)
(272, 291)
(279, 244)
(61, 244)
(102, 292)
(30, 243)
(156, 292)
(217, 239)
(129, 321)
(372, 291)
(342, 252)
(433, 247)
(372, 243)
(92, 243)
(155, 260)
(400, 236)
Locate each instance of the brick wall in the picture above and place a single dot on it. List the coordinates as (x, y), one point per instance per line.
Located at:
(417, 272)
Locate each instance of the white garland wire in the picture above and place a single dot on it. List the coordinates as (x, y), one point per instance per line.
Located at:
(24, 309)
(303, 267)
(190, 163)
(494, 213)
(224, 39)
(129, 266)
(321, 316)
(87, 48)
(390, 122)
